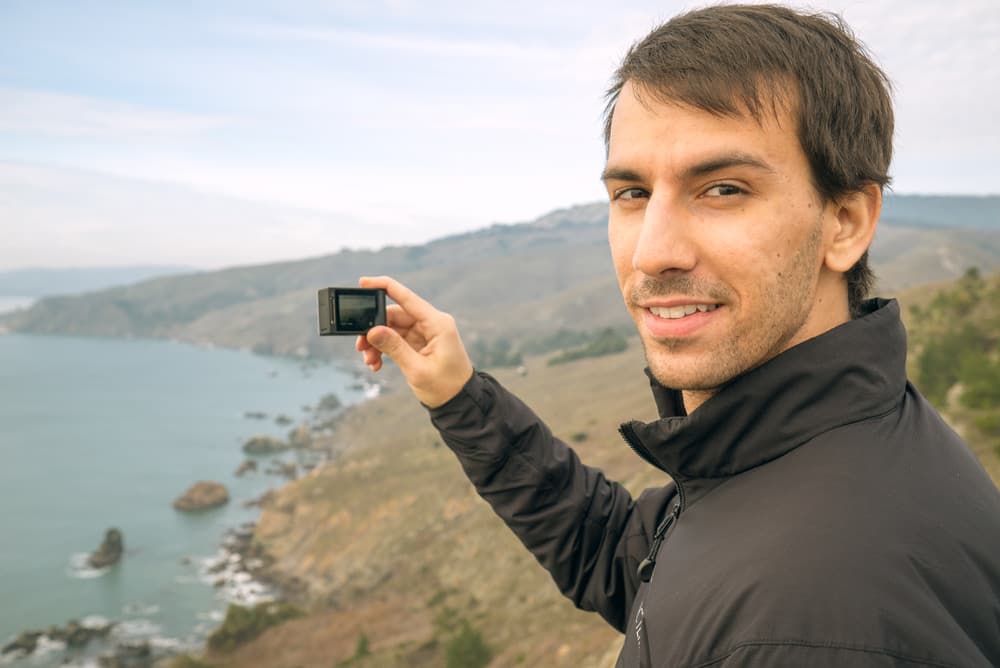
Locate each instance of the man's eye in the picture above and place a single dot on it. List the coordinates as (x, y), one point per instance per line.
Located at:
(724, 190)
(630, 193)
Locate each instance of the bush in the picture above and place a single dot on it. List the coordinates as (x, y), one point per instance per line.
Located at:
(187, 661)
(981, 380)
(467, 649)
(943, 359)
(607, 342)
(244, 624)
(497, 353)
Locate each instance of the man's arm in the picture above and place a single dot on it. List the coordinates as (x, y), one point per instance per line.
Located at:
(585, 530)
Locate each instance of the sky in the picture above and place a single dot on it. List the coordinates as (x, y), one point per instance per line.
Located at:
(233, 132)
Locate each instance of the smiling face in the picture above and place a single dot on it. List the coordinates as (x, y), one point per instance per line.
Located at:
(718, 238)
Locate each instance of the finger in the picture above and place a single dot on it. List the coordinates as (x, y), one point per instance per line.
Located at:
(411, 302)
(372, 356)
(389, 342)
(397, 318)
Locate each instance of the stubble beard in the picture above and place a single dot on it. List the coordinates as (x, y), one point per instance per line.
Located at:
(749, 344)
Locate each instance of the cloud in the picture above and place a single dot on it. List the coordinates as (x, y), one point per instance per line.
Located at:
(31, 112)
(67, 217)
(413, 44)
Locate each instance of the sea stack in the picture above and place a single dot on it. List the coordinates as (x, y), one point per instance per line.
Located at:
(110, 551)
(202, 495)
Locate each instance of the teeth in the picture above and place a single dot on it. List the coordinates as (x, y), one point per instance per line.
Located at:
(674, 312)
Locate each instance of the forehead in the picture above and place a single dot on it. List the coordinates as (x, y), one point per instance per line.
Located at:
(644, 128)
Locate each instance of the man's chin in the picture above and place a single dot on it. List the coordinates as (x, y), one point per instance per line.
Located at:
(680, 371)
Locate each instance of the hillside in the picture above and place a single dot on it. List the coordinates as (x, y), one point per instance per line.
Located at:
(507, 281)
(39, 282)
(393, 525)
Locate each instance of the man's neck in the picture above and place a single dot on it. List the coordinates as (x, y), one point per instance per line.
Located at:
(695, 398)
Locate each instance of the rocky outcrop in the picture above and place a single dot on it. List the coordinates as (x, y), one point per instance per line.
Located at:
(301, 436)
(110, 551)
(264, 445)
(247, 466)
(75, 635)
(287, 469)
(202, 495)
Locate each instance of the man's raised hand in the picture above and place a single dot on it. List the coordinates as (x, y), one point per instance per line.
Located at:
(421, 340)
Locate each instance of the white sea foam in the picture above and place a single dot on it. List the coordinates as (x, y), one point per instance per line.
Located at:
(212, 616)
(94, 622)
(80, 569)
(46, 646)
(140, 609)
(136, 628)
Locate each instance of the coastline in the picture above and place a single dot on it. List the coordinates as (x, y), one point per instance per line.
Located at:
(231, 571)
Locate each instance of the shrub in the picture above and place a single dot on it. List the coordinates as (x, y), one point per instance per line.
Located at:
(607, 342)
(244, 624)
(467, 649)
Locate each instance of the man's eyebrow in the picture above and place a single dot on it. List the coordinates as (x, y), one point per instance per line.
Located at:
(716, 163)
(619, 174)
(702, 168)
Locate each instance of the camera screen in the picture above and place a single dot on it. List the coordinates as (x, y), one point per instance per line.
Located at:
(356, 312)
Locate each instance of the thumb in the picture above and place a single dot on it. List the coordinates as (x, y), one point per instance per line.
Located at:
(388, 342)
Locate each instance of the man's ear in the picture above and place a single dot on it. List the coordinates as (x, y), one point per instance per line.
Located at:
(856, 218)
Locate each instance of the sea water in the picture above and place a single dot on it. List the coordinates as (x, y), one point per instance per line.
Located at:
(98, 433)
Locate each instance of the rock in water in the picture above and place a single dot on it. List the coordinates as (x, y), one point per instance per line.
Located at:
(246, 466)
(110, 551)
(264, 445)
(203, 495)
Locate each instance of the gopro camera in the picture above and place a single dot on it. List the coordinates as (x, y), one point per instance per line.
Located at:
(350, 310)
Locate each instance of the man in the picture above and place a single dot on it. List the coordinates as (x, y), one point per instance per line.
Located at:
(821, 513)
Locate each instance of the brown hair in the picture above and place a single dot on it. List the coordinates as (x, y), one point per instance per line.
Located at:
(734, 59)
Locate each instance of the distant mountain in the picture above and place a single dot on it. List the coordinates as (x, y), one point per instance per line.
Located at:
(973, 212)
(516, 282)
(41, 282)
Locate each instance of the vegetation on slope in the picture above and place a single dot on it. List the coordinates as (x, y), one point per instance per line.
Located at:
(955, 353)
(504, 281)
(401, 559)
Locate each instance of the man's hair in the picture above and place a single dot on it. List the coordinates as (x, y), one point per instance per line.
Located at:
(735, 59)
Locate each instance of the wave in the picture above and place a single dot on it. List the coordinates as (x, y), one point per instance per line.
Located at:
(79, 568)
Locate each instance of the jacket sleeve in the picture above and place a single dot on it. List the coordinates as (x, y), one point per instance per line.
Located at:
(585, 530)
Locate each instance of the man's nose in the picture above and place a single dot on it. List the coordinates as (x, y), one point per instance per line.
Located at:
(665, 242)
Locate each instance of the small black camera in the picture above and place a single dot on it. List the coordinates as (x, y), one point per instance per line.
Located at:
(350, 310)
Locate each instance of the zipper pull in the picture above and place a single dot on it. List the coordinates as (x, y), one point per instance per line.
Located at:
(647, 565)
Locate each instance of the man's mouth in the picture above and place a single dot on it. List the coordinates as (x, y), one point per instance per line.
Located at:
(675, 312)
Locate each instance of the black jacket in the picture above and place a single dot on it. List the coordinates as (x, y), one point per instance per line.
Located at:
(822, 514)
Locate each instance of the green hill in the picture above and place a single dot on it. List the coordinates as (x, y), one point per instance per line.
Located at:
(521, 283)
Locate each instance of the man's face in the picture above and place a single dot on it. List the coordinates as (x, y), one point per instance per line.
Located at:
(717, 236)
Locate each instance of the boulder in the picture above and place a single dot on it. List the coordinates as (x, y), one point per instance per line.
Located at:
(264, 445)
(24, 643)
(247, 466)
(331, 402)
(300, 437)
(286, 469)
(203, 495)
(110, 551)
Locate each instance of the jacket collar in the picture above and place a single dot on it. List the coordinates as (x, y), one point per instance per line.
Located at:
(852, 372)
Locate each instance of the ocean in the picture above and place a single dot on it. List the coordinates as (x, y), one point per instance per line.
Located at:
(100, 433)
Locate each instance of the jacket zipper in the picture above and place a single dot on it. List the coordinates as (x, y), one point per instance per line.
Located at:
(645, 570)
(647, 565)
